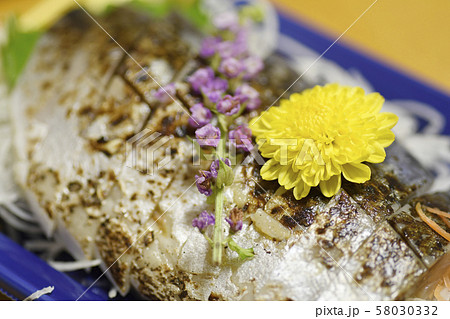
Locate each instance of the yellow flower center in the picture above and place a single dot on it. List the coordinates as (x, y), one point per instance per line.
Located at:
(314, 137)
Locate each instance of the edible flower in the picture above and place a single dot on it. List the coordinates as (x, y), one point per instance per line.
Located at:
(209, 47)
(253, 65)
(231, 67)
(203, 220)
(248, 95)
(316, 136)
(241, 138)
(214, 168)
(200, 115)
(214, 89)
(165, 94)
(208, 135)
(200, 78)
(227, 21)
(229, 105)
(203, 182)
(235, 220)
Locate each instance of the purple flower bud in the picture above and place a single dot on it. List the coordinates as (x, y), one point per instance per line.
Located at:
(200, 115)
(201, 78)
(249, 95)
(208, 135)
(231, 49)
(241, 137)
(229, 105)
(235, 220)
(214, 168)
(209, 47)
(214, 89)
(253, 65)
(231, 67)
(227, 21)
(165, 94)
(203, 181)
(203, 220)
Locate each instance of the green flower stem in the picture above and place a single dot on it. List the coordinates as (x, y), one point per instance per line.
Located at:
(218, 231)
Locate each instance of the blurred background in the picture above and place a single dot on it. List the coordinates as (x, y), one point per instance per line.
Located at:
(411, 35)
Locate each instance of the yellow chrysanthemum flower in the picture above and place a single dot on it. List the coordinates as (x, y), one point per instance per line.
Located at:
(46, 12)
(320, 133)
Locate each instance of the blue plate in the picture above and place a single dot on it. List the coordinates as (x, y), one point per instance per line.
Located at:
(22, 273)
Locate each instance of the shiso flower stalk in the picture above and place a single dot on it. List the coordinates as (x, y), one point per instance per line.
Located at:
(218, 231)
(223, 93)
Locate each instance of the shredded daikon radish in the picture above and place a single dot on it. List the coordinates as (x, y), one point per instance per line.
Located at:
(19, 212)
(15, 222)
(38, 294)
(74, 265)
(41, 244)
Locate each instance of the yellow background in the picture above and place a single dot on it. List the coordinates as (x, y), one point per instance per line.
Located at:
(413, 35)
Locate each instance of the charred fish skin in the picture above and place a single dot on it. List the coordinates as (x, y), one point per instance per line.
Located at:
(427, 244)
(393, 182)
(97, 203)
(137, 219)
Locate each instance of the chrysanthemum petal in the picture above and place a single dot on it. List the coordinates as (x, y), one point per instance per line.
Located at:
(301, 190)
(331, 187)
(270, 170)
(386, 120)
(378, 155)
(385, 138)
(336, 129)
(356, 172)
(374, 103)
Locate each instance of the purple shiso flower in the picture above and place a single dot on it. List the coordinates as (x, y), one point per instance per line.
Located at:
(248, 95)
(227, 21)
(231, 67)
(235, 220)
(241, 137)
(203, 181)
(200, 115)
(231, 49)
(214, 89)
(164, 94)
(229, 105)
(253, 65)
(208, 135)
(209, 47)
(214, 168)
(201, 78)
(203, 220)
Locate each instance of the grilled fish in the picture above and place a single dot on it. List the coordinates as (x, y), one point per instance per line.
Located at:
(82, 101)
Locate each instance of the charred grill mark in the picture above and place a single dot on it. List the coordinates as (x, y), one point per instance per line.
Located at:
(374, 197)
(112, 241)
(385, 265)
(428, 245)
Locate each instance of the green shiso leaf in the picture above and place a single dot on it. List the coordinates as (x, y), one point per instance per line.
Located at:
(16, 51)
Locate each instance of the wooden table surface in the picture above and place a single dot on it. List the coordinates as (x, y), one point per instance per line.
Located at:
(413, 35)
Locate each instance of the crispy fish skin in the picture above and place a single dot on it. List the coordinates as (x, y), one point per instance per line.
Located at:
(82, 181)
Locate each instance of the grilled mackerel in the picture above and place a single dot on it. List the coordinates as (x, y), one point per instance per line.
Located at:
(79, 101)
